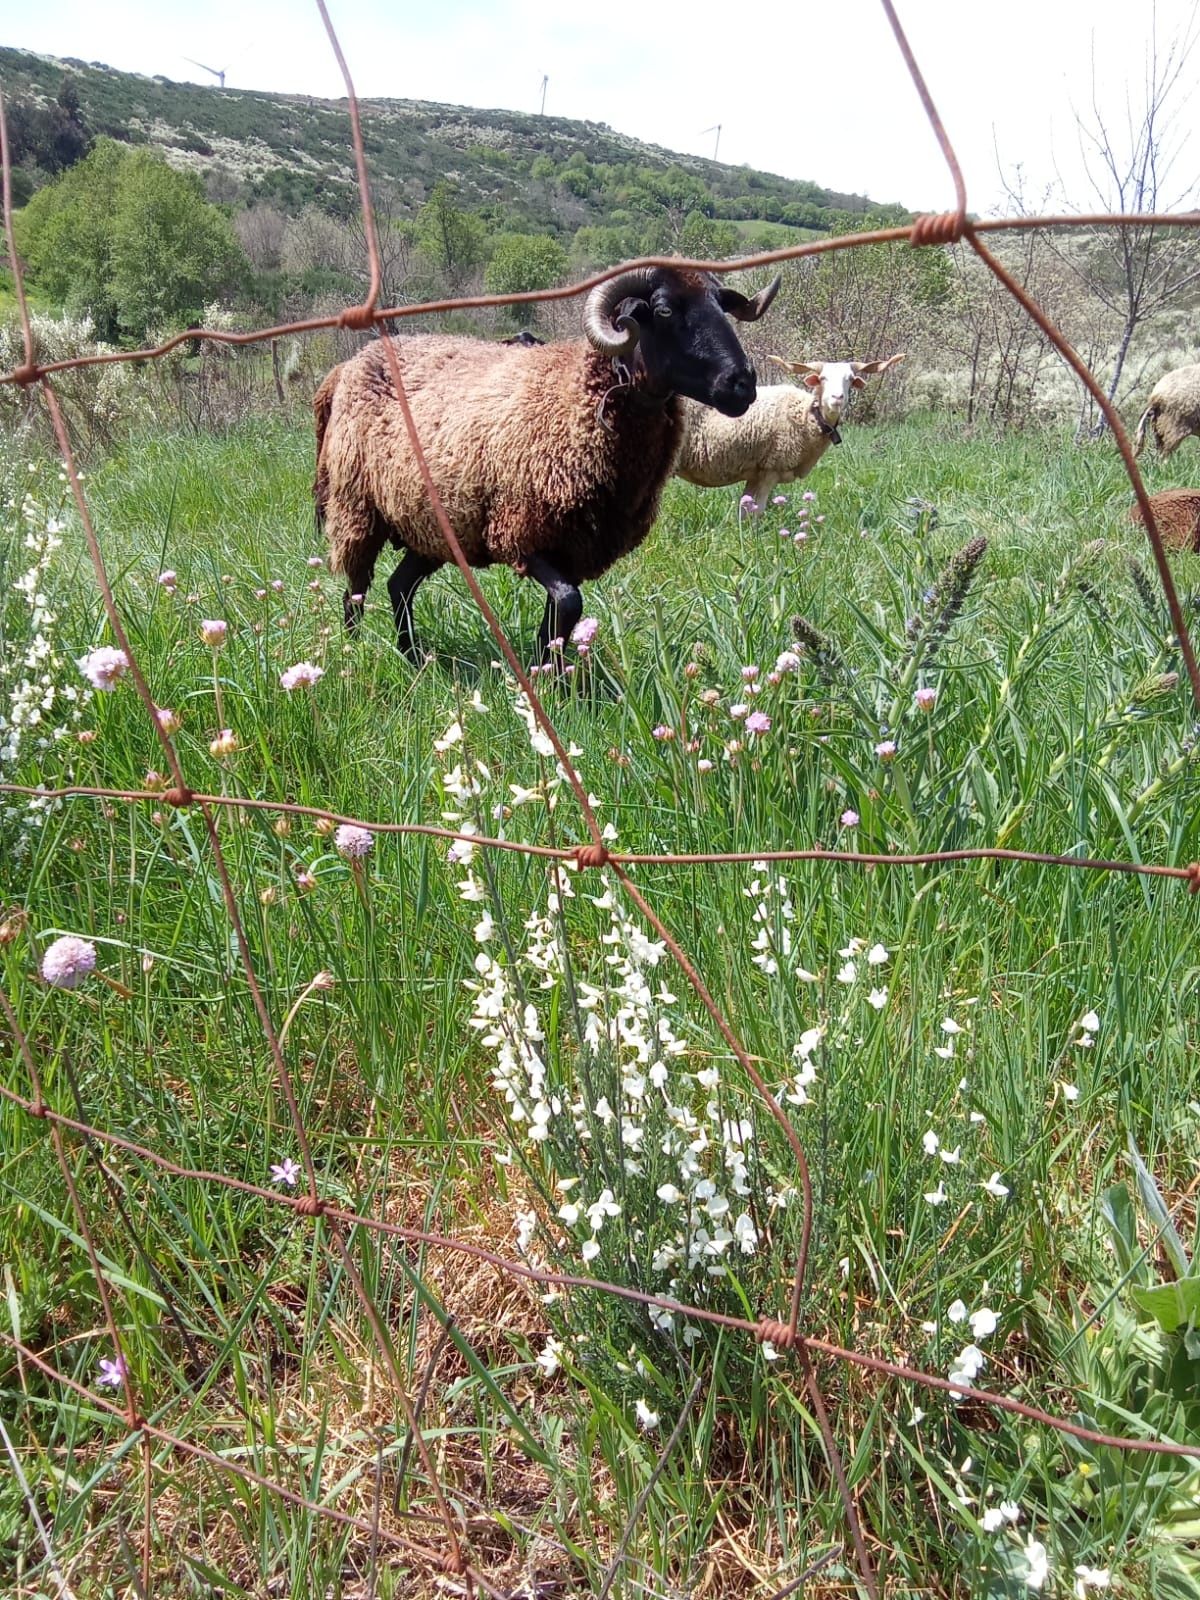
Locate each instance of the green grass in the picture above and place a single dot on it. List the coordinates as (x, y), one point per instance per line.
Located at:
(1057, 727)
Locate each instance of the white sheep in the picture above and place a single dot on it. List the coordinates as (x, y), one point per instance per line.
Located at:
(783, 435)
(1173, 410)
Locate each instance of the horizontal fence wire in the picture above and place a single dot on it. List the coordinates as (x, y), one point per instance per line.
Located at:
(334, 1226)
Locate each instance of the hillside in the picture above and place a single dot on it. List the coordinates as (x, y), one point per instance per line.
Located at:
(530, 172)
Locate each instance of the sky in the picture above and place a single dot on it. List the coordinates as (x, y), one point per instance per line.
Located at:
(811, 89)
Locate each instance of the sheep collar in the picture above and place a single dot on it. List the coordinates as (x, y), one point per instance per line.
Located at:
(828, 429)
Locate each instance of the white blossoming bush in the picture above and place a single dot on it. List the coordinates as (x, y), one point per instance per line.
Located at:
(41, 693)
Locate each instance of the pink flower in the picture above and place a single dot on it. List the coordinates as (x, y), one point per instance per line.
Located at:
(225, 744)
(749, 673)
(213, 633)
(305, 881)
(68, 961)
(886, 749)
(779, 500)
(749, 505)
(799, 537)
(739, 711)
(787, 661)
(585, 630)
(849, 819)
(758, 722)
(277, 585)
(104, 667)
(302, 676)
(353, 842)
(809, 495)
(316, 561)
(285, 1172)
(925, 699)
(704, 766)
(168, 579)
(169, 721)
(112, 1373)
(663, 733)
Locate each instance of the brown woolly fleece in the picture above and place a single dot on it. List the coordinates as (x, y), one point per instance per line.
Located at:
(1177, 512)
(513, 446)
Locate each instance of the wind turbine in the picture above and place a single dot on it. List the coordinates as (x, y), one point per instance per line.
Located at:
(716, 128)
(545, 82)
(217, 72)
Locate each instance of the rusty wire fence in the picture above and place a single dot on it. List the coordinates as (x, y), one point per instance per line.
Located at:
(446, 1545)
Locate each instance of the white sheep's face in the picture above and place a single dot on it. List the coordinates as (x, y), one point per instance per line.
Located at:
(832, 383)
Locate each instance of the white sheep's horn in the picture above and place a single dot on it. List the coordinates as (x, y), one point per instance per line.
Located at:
(795, 366)
(602, 333)
(877, 366)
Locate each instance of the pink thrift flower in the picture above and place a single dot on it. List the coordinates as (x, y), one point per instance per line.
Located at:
(353, 842)
(758, 722)
(68, 961)
(739, 711)
(316, 561)
(925, 699)
(749, 673)
(779, 500)
(663, 733)
(809, 495)
(104, 668)
(886, 749)
(305, 881)
(849, 819)
(749, 505)
(213, 633)
(799, 537)
(585, 630)
(302, 676)
(704, 766)
(277, 585)
(168, 579)
(169, 721)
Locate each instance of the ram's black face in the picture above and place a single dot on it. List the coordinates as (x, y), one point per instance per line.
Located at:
(687, 345)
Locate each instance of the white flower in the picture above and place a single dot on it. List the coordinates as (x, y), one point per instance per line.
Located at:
(878, 998)
(1090, 1578)
(1038, 1563)
(569, 1213)
(647, 1419)
(937, 1197)
(994, 1187)
(451, 737)
(1088, 1023)
(877, 955)
(847, 973)
(1010, 1511)
(550, 1358)
(951, 1157)
(485, 928)
(605, 1206)
(946, 1051)
(992, 1520)
(669, 1194)
(957, 1311)
(950, 1026)
(1070, 1091)
(590, 1249)
(983, 1322)
(930, 1142)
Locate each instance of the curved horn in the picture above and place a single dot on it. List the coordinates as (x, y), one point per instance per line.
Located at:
(877, 366)
(602, 333)
(795, 366)
(759, 302)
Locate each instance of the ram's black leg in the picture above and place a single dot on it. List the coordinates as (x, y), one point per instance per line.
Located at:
(564, 607)
(402, 585)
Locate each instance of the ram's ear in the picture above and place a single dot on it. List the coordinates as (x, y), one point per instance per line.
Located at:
(747, 310)
(797, 366)
(869, 367)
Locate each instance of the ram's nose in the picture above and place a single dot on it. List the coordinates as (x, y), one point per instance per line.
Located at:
(736, 394)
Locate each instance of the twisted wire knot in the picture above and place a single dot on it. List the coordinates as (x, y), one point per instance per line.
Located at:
(451, 1562)
(591, 855)
(179, 796)
(309, 1205)
(781, 1334)
(946, 227)
(357, 317)
(1191, 875)
(29, 373)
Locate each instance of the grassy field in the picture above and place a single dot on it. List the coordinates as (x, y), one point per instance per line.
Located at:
(993, 1068)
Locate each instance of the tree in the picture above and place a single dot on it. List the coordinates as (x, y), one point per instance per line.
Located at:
(452, 239)
(131, 242)
(521, 263)
(1138, 270)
